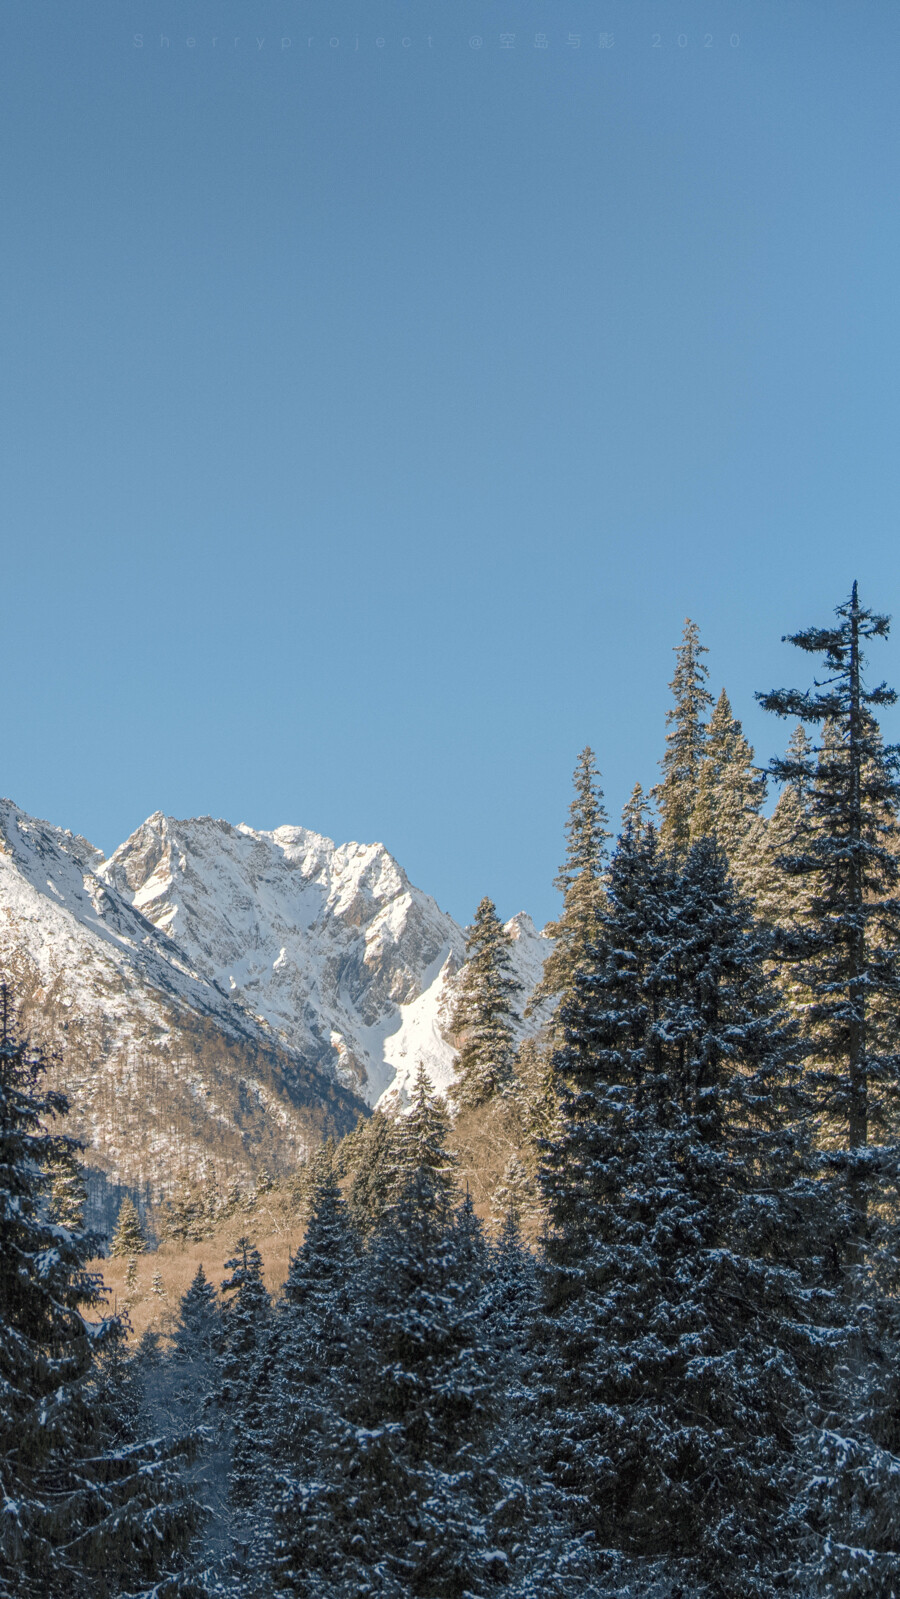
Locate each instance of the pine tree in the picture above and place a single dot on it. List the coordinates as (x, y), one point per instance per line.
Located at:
(421, 1145)
(730, 790)
(197, 1334)
(682, 1335)
(676, 795)
(68, 1192)
(128, 1238)
(308, 1177)
(483, 1015)
(846, 955)
(243, 1398)
(610, 1032)
(535, 1092)
(150, 1512)
(417, 1519)
(245, 1318)
(182, 1218)
(81, 1513)
(314, 1332)
(368, 1157)
(635, 811)
(512, 1201)
(580, 881)
(183, 1391)
(780, 899)
(544, 1559)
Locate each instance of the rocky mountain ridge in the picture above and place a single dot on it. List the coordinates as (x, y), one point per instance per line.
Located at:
(219, 996)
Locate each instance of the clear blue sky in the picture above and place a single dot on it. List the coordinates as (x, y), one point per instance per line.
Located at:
(372, 418)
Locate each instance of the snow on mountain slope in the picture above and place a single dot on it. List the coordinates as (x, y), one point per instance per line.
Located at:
(330, 944)
(67, 919)
(422, 1034)
(219, 997)
(164, 1069)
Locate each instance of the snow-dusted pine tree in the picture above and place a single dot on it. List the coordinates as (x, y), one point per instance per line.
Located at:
(676, 795)
(85, 1509)
(781, 899)
(687, 1323)
(128, 1238)
(246, 1313)
(314, 1333)
(421, 1143)
(68, 1191)
(197, 1334)
(367, 1157)
(579, 881)
(483, 1015)
(846, 954)
(246, 1374)
(404, 1495)
(730, 792)
(635, 811)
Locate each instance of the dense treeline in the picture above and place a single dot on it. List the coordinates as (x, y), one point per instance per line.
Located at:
(665, 1363)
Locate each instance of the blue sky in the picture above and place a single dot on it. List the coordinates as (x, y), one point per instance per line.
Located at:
(372, 416)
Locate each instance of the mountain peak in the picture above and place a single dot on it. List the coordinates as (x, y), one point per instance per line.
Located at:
(237, 985)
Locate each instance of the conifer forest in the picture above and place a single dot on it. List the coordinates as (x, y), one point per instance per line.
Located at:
(653, 1354)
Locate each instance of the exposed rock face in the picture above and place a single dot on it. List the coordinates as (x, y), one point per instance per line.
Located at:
(166, 1073)
(330, 944)
(220, 996)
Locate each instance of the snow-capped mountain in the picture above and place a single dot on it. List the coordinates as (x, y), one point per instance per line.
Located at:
(331, 945)
(220, 997)
(166, 1073)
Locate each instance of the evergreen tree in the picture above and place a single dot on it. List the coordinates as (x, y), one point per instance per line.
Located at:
(128, 1238)
(308, 1178)
(182, 1219)
(580, 881)
(545, 1561)
(535, 1091)
(846, 955)
(197, 1334)
(413, 1495)
(611, 1025)
(82, 1513)
(314, 1331)
(682, 1335)
(512, 1201)
(245, 1319)
(183, 1391)
(779, 898)
(150, 1512)
(682, 763)
(635, 811)
(68, 1191)
(483, 1015)
(243, 1396)
(730, 790)
(368, 1157)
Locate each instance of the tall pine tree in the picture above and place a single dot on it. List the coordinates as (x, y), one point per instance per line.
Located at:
(682, 1334)
(86, 1505)
(846, 956)
(580, 882)
(483, 1017)
(313, 1339)
(677, 794)
(128, 1238)
(730, 791)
